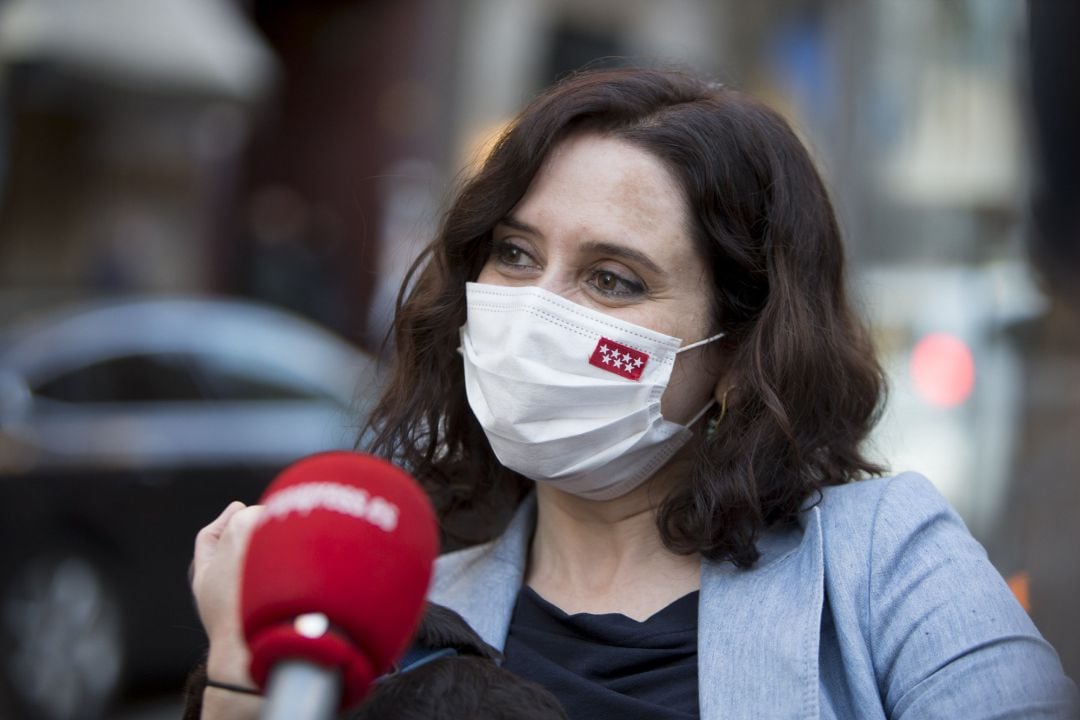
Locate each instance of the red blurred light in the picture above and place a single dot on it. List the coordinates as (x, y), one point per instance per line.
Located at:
(943, 370)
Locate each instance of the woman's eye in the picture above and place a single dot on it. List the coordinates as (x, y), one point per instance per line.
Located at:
(506, 253)
(606, 281)
(511, 254)
(613, 284)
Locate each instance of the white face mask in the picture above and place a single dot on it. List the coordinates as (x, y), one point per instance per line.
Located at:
(568, 395)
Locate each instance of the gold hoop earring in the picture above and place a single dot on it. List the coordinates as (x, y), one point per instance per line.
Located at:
(715, 420)
(723, 404)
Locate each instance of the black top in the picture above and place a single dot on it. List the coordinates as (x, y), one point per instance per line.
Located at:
(609, 666)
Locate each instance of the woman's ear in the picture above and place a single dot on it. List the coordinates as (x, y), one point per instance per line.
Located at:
(720, 391)
(722, 357)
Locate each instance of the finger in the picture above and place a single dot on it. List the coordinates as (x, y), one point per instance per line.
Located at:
(228, 542)
(240, 526)
(218, 524)
(207, 539)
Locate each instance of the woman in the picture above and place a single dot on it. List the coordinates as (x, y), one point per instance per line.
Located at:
(632, 332)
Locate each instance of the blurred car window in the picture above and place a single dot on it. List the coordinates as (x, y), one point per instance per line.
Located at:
(224, 380)
(133, 378)
(172, 377)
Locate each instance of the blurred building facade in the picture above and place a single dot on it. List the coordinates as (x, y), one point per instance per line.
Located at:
(315, 179)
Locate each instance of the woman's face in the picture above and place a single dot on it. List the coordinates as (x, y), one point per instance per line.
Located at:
(605, 225)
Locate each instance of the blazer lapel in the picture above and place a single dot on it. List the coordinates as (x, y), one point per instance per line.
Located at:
(758, 629)
(481, 584)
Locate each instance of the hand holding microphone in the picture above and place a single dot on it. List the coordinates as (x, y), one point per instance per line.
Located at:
(334, 581)
(215, 583)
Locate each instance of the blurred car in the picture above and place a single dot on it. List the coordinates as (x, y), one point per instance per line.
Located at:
(124, 428)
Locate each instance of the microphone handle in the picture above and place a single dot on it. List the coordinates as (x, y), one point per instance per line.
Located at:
(301, 690)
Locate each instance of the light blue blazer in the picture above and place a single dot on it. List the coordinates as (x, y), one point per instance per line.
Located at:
(879, 605)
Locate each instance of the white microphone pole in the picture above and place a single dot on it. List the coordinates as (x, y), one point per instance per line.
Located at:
(301, 690)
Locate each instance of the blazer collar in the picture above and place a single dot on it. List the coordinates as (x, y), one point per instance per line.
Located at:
(482, 583)
(758, 629)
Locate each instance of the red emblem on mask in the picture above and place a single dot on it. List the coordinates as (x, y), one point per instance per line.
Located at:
(619, 359)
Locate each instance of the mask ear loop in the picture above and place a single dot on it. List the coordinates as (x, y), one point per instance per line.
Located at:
(699, 343)
(710, 427)
(700, 414)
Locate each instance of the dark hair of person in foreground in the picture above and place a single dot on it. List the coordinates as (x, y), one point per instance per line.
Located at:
(469, 684)
(804, 387)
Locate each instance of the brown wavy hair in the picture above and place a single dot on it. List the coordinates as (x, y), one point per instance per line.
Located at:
(804, 385)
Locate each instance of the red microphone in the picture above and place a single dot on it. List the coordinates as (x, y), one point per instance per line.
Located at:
(334, 580)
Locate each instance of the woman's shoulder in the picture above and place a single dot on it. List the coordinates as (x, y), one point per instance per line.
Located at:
(878, 528)
(883, 510)
(875, 530)
(932, 612)
(870, 494)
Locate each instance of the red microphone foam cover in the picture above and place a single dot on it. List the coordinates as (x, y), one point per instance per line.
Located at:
(351, 537)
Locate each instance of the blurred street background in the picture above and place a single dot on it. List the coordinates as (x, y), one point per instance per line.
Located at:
(207, 206)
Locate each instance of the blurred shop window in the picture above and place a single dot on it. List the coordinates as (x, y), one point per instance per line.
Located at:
(134, 378)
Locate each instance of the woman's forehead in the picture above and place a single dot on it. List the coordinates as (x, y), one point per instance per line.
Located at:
(602, 188)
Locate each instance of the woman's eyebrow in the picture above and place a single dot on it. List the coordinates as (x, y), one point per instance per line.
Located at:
(624, 252)
(591, 246)
(514, 224)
